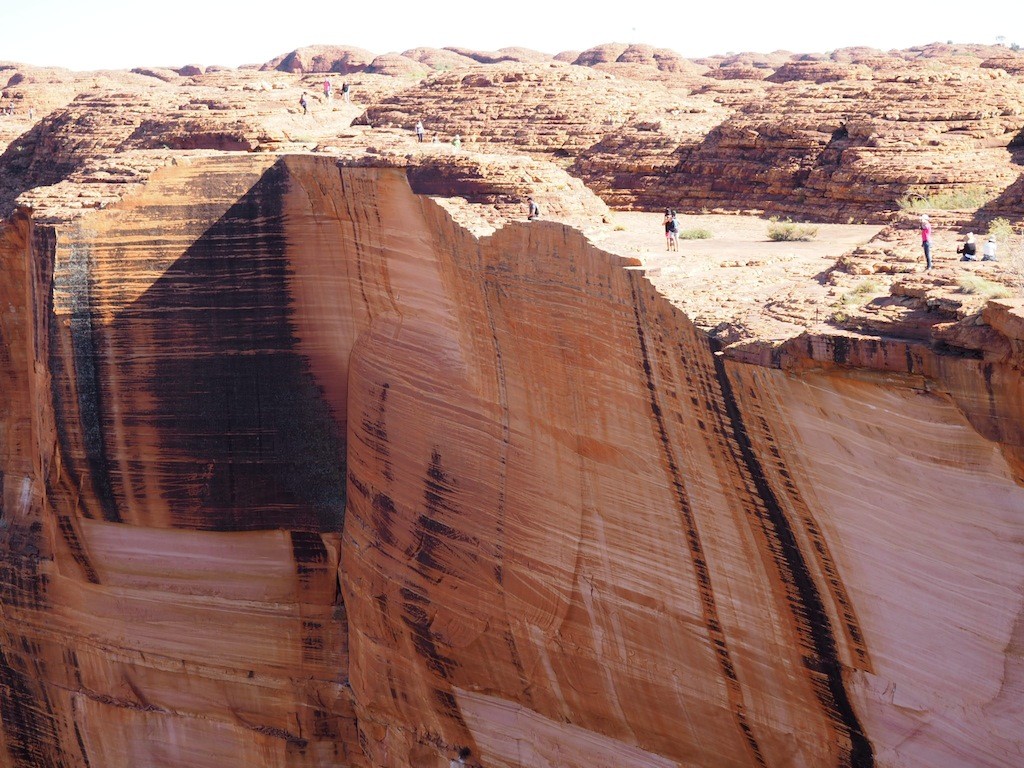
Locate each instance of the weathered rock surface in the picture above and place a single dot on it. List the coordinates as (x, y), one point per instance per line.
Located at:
(343, 60)
(313, 452)
(830, 140)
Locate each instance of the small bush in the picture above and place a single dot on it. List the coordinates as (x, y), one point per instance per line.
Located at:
(1001, 229)
(964, 198)
(864, 288)
(868, 286)
(979, 286)
(788, 231)
(695, 234)
(619, 228)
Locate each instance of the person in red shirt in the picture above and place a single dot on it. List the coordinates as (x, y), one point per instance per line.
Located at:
(926, 241)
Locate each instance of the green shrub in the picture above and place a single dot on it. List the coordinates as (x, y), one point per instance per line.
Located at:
(864, 288)
(868, 286)
(979, 286)
(695, 234)
(1000, 228)
(969, 198)
(787, 230)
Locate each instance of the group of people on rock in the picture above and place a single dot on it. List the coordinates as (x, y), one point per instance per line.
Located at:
(968, 249)
(421, 136)
(346, 91)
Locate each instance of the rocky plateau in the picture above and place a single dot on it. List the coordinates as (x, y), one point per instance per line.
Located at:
(315, 452)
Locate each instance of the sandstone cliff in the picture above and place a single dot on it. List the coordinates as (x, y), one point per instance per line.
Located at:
(318, 477)
(313, 452)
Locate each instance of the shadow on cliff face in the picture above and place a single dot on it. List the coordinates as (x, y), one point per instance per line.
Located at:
(29, 162)
(246, 440)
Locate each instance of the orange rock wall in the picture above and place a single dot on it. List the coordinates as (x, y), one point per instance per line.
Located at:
(298, 471)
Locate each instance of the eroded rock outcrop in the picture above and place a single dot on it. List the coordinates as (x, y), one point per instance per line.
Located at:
(828, 139)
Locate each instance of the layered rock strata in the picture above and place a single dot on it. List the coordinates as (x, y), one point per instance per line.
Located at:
(300, 471)
(828, 140)
(850, 136)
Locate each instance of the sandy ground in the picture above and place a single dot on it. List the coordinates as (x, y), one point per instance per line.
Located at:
(732, 237)
(738, 281)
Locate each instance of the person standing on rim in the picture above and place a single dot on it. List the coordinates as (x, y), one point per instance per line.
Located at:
(926, 240)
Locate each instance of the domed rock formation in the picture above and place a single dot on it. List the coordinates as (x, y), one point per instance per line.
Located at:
(343, 60)
(601, 54)
(438, 58)
(394, 65)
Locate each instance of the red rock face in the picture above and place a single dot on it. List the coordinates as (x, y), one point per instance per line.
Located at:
(316, 476)
(313, 452)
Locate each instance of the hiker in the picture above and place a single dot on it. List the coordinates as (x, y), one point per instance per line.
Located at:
(345, 91)
(968, 248)
(667, 223)
(457, 141)
(419, 131)
(926, 240)
(304, 103)
(988, 251)
(673, 233)
(460, 761)
(532, 208)
(328, 88)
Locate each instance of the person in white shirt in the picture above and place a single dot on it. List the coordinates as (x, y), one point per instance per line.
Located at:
(988, 251)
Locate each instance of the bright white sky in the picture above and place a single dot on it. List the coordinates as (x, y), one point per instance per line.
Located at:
(116, 34)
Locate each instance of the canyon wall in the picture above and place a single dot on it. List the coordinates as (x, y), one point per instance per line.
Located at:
(299, 471)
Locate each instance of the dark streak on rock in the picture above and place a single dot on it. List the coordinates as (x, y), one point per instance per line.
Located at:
(280, 733)
(825, 665)
(375, 432)
(417, 620)
(987, 370)
(383, 518)
(67, 530)
(308, 553)
(76, 283)
(29, 727)
(840, 349)
(701, 571)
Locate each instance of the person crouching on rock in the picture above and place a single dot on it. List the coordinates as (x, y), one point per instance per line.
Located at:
(968, 248)
(989, 250)
(533, 210)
